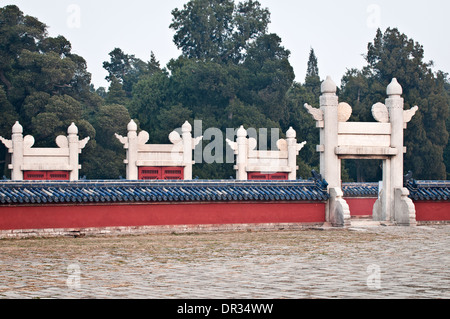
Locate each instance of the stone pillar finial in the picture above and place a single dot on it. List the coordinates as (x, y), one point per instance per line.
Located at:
(132, 126)
(186, 127)
(72, 129)
(17, 128)
(328, 86)
(291, 133)
(241, 132)
(394, 88)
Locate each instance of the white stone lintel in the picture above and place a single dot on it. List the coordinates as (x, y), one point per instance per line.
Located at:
(274, 169)
(47, 167)
(157, 163)
(362, 128)
(366, 150)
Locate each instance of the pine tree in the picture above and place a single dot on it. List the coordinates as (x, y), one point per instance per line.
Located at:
(116, 94)
(313, 69)
(312, 79)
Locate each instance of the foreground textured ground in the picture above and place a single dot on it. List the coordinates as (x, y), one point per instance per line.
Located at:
(360, 262)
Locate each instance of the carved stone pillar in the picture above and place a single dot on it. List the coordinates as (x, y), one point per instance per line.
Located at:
(402, 209)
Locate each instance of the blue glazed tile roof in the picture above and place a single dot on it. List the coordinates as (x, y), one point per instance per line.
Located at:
(35, 192)
(418, 190)
(429, 190)
(32, 192)
(360, 189)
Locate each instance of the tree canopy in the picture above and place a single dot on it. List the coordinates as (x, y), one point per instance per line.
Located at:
(218, 30)
(43, 85)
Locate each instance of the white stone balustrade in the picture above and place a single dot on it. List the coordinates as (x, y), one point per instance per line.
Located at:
(248, 159)
(26, 158)
(140, 154)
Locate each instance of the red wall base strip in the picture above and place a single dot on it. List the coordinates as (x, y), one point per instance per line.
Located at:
(83, 216)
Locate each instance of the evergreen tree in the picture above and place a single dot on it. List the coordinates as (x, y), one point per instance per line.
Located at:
(43, 85)
(447, 148)
(154, 67)
(104, 158)
(312, 78)
(126, 69)
(116, 94)
(218, 30)
(8, 116)
(305, 127)
(270, 77)
(150, 96)
(312, 70)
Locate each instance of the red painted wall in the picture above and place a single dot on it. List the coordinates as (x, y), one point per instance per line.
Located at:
(432, 211)
(172, 214)
(46, 175)
(360, 206)
(84, 216)
(254, 176)
(157, 173)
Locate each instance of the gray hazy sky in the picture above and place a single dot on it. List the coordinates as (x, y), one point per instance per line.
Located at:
(338, 31)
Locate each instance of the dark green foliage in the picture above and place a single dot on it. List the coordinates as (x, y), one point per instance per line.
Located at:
(44, 86)
(218, 30)
(305, 126)
(447, 148)
(312, 79)
(103, 159)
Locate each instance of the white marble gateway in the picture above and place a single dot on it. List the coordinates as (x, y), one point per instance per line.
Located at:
(383, 140)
